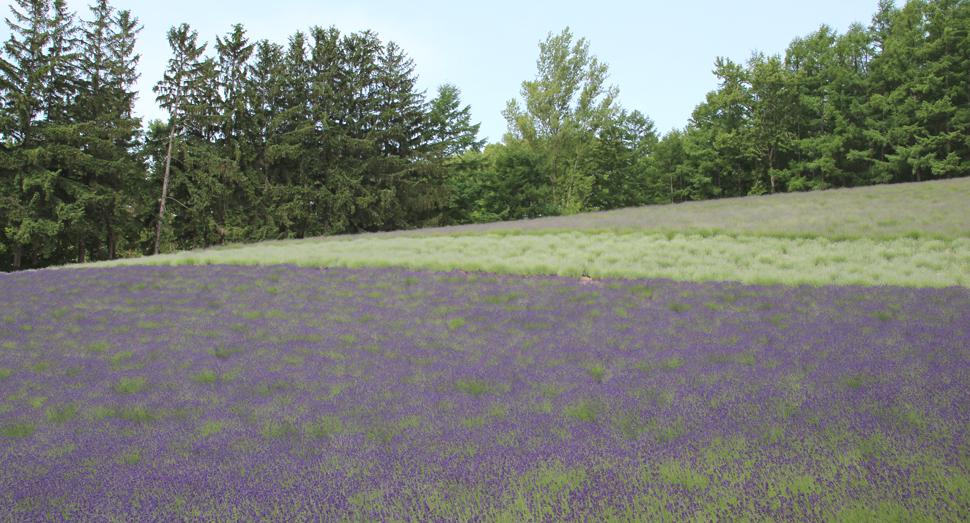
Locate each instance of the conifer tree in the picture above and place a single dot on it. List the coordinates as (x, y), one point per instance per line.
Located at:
(38, 88)
(110, 174)
(451, 132)
(233, 142)
(177, 93)
(265, 102)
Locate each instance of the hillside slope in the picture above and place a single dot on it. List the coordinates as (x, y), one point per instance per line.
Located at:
(936, 209)
(915, 235)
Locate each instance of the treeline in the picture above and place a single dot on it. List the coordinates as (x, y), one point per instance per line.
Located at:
(328, 134)
(880, 104)
(325, 135)
(885, 103)
(70, 164)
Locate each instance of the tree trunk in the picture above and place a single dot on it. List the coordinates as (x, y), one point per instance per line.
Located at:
(110, 240)
(161, 209)
(771, 172)
(111, 244)
(555, 164)
(16, 256)
(80, 251)
(740, 192)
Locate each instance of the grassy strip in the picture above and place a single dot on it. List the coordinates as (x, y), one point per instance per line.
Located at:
(754, 260)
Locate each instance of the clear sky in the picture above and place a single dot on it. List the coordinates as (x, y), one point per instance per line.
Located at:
(660, 53)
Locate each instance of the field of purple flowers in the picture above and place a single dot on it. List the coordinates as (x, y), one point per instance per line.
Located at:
(284, 393)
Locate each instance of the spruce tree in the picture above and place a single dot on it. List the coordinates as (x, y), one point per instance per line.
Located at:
(234, 145)
(265, 102)
(38, 89)
(108, 133)
(450, 131)
(177, 93)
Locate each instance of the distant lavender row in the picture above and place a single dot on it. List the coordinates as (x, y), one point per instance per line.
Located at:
(286, 393)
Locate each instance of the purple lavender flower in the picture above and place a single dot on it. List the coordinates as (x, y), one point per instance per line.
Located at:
(280, 392)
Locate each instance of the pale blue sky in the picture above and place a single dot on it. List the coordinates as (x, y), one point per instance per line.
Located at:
(660, 53)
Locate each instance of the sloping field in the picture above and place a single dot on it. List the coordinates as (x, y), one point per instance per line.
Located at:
(330, 380)
(915, 235)
(934, 210)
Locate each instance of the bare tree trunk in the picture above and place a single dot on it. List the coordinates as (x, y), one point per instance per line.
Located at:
(771, 173)
(16, 256)
(671, 187)
(110, 237)
(161, 209)
(740, 192)
(80, 251)
(555, 164)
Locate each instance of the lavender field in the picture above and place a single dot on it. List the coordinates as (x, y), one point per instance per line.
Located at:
(287, 393)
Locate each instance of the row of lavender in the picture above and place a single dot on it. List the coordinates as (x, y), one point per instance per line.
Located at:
(230, 393)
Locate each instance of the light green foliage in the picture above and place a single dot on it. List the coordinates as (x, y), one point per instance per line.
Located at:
(129, 385)
(675, 473)
(211, 427)
(326, 427)
(586, 410)
(18, 430)
(137, 414)
(211, 376)
(37, 401)
(121, 357)
(62, 413)
(474, 387)
(563, 108)
(131, 457)
(672, 363)
(277, 429)
(455, 324)
(598, 372)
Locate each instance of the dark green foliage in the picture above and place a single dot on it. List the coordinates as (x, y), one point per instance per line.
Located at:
(514, 184)
(880, 104)
(327, 135)
(616, 162)
(450, 128)
(68, 166)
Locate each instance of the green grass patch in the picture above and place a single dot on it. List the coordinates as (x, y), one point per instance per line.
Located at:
(18, 430)
(137, 414)
(586, 411)
(121, 357)
(61, 414)
(475, 387)
(130, 385)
